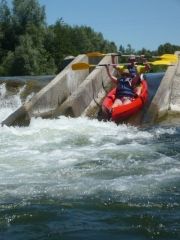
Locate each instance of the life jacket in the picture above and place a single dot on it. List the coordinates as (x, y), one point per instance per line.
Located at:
(134, 74)
(124, 87)
(132, 71)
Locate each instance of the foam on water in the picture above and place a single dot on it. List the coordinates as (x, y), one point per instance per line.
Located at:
(75, 158)
(8, 103)
(70, 158)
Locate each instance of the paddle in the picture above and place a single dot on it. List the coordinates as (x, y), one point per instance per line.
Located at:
(164, 56)
(162, 62)
(98, 54)
(83, 65)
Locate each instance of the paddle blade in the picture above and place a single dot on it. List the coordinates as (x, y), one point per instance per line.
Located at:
(120, 67)
(80, 66)
(161, 62)
(95, 54)
(98, 54)
(168, 57)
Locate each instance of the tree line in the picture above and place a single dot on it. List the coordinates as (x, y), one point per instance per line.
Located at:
(28, 46)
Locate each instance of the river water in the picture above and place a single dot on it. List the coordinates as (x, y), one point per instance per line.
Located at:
(85, 179)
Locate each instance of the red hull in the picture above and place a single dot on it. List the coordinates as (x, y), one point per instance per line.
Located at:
(122, 112)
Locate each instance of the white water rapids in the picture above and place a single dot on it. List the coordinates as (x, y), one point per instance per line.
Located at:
(70, 158)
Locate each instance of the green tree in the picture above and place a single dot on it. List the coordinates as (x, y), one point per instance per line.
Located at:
(6, 30)
(29, 46)
(28, 60)
(167, 48)
(26, 13)
(27, 55)
(75, 40)
(129, 49)
(121, 49)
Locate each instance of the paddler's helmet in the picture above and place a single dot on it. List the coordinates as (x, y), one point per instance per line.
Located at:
(125, 72)
(132, 59)
(120, 68)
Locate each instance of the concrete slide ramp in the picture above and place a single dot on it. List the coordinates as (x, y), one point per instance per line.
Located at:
(80, 93)
(165, 106)
(70, 93)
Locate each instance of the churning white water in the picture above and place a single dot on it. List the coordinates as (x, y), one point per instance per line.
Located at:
(8, 102)
(70, 158)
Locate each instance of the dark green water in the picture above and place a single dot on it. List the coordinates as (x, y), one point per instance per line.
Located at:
(84, 179)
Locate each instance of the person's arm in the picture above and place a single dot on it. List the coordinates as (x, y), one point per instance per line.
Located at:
(147, 66)
(136, 80)
(137, 91)
(113, 78)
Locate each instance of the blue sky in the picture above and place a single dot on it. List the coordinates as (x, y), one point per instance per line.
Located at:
(141, 23)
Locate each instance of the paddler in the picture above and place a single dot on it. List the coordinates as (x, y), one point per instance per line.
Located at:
(126, 89)
(129, 82)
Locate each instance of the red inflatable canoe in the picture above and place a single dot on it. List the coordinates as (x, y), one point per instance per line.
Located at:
(122, 112)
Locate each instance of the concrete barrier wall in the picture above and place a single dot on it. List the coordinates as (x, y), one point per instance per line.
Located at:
(44, 103)
(76, 104)
(72, 93)
(160, 104)
(56, 92)
(175, 95)
(69, 93)
(167, 97)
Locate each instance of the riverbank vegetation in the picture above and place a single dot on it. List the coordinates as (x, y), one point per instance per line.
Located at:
(28, 46)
